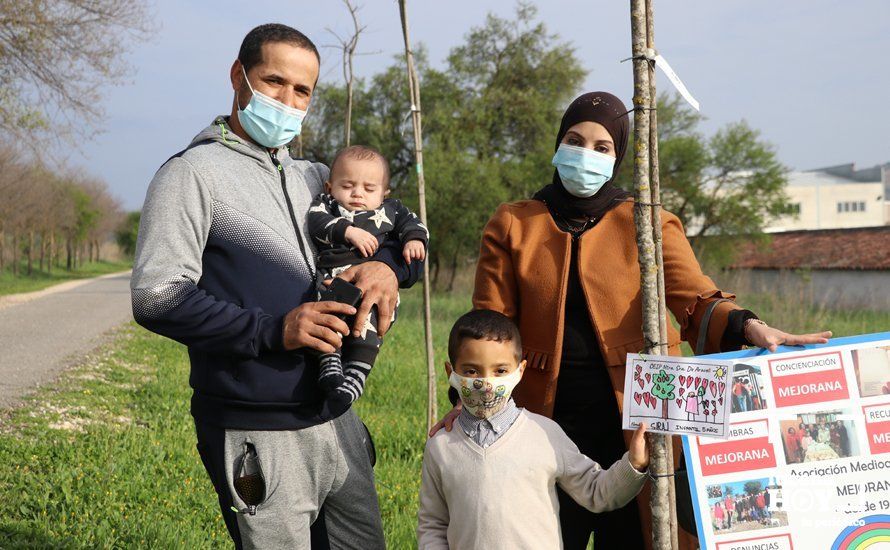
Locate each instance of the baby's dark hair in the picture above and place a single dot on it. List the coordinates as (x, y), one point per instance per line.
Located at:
(362, 152)
(483, 324)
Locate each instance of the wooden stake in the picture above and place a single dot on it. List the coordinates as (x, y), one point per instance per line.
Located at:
(648, 224)
(414, 88)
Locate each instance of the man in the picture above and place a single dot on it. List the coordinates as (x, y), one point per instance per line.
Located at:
(224, 266)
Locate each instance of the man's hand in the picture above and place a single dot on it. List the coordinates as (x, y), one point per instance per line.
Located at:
(764, 336)
(379, 287)
(315, 325)
(365, 242)
(448, 420)
(414, 250)
(638, 450)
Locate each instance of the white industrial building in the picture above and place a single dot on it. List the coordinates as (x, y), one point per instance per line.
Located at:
(836, 197)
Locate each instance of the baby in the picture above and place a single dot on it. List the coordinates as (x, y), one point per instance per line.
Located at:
(491, 481)
(348, 223)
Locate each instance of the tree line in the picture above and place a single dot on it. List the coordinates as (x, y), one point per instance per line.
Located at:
(57, 58)
(490, 116)
(51, 217)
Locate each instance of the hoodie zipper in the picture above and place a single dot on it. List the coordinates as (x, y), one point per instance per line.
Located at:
(290, 209)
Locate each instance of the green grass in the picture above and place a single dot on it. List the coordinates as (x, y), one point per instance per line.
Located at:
(39, 280)
(105, 458)
(394, 408)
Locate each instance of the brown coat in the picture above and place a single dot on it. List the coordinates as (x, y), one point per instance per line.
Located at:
(523, 272)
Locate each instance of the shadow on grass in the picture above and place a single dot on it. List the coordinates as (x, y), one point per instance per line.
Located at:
(22, 536)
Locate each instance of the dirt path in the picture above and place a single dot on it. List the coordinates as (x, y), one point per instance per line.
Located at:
(41, 332)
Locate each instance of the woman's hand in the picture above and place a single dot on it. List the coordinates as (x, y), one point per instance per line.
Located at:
(448, 420)
(638, 451)
(764, 336)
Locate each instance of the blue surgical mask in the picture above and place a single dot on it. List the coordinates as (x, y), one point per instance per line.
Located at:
(582, 171)
(269, 122)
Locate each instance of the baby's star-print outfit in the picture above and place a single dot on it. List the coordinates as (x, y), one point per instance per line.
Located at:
(343, 374)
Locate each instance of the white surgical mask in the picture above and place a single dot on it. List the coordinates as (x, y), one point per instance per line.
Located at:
(483, 397)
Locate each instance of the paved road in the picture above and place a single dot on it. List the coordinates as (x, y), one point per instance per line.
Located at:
(38, 338)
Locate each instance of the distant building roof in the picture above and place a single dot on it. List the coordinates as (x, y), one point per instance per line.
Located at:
(850, 173)
(865, 248)
(813, 177)
(840, 174)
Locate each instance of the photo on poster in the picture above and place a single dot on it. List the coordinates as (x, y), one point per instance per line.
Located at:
(823, 435)
(872, 367)
(748, 393)
(746, 505)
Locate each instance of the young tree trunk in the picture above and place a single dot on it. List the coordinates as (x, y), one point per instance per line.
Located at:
(645, 223)
(2, 251)
(414, 91)
(15, 253)
(30, 253)
(42, 249)
(453, 274)
(98, 259)
(69, 260)
(659, 257)
(434, 270)
(348, 125)
(348, 47)
(52, 249)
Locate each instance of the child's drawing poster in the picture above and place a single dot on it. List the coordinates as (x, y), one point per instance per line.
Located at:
(678, 395)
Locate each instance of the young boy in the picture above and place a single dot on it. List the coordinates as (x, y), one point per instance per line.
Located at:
(491, 481)
(348, 223)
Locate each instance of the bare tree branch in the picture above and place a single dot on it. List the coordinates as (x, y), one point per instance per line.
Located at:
(348, 46)
(57, 56)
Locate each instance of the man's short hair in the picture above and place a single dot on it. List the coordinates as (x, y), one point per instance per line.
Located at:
(483, 324)
(363, 152)
(251, 52)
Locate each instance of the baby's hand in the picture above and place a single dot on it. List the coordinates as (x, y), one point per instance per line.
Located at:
(414, 250)
(365, 242)
(638, 451)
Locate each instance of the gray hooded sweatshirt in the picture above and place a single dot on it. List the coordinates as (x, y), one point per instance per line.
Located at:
(222, 256)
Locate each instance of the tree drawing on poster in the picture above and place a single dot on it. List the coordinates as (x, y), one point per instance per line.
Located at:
(664, 390)
(676, 395)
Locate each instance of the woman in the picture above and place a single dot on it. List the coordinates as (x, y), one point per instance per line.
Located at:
(805, 442)
(844, 439)
(719, 515)
(792, 445)
(822, 435)
(564, 266)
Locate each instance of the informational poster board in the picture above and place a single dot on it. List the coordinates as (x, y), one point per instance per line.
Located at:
(807, 462)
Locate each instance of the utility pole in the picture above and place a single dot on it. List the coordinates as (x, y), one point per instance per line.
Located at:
(647, 219)
(414, 89)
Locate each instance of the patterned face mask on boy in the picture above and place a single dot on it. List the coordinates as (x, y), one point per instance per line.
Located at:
(484, 397)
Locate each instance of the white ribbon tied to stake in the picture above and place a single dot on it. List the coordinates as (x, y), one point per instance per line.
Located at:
(675, 80)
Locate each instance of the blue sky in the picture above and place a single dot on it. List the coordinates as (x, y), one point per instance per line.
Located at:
(811, 75)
